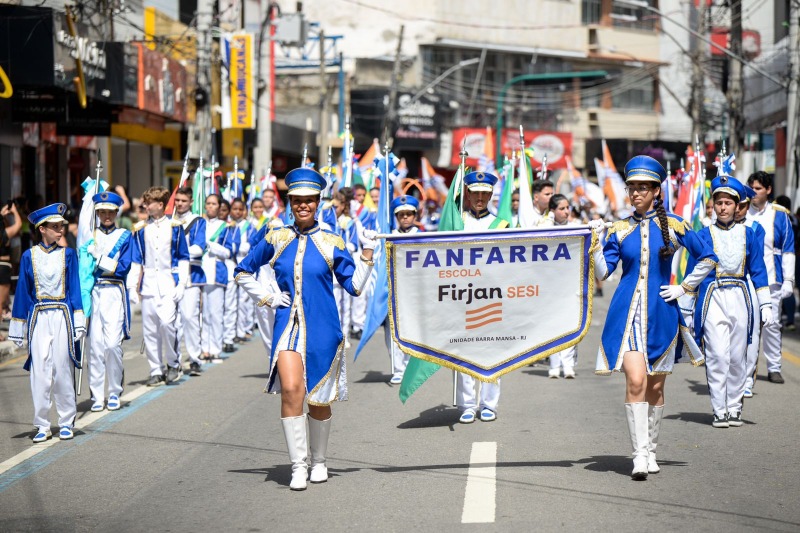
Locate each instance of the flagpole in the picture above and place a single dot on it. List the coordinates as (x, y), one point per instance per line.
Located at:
(180, 182)
(462, 167)
(235, 176)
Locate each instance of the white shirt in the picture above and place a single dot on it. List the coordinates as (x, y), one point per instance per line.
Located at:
(157, 279)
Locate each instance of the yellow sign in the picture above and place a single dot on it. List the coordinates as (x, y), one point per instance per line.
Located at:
(5, 83)
(242, 84)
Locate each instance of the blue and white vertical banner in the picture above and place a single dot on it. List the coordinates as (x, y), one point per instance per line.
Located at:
(488, 303)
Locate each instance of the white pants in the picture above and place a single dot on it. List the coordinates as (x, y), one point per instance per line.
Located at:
(359, 305)
(725, 338)
(160, 332)
(231, 312)
(467, 398)
(266, 322)
(105, 341)
(52, 369)
(771, 335)
(344, 303)
(213, 304)
(399, 358)
(244, 324)
(189, 324)
(564, 358)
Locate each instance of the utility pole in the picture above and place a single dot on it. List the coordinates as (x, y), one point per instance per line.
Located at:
(735, 85)
(792, 185)
(199, 139)
(697, 51)
(391, 112)
(263, 151)
(324, 111)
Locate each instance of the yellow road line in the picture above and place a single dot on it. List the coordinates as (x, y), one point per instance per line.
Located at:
(789, 356)
(14, 360)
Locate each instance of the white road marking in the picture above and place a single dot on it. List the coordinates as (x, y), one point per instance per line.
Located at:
(80, 423)
(480, 495)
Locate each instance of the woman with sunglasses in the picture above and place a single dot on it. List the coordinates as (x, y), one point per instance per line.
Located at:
(307, 363)
(48, 313)
(644, 323)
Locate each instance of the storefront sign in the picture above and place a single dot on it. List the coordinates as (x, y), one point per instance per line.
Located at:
(162, 85)
(555, 144)
(239, 101)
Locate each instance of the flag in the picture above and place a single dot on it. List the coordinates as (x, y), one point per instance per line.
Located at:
(504, 211)
(418, 370)
(486, 159)
(433, 183)
(613, 185)
(527, 215)
(85, 238)
(199, 192)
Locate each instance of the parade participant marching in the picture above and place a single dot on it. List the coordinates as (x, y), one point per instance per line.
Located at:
(222, 241)
(779, 258)
(404, 209)
(348, 231)
(231, 313)
(542, 191)
(307, 361)
(48, 314)
(558, 215)
(194, 227)
(257, 217)
(478, 218)
(243, 317)
(755, 339)
(110, 323)
(644, 321)
(160, 257)
(724, 315)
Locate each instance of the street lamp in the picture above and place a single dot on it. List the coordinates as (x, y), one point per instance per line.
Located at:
(442, 76)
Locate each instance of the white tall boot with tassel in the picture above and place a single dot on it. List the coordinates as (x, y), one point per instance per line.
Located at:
(318, 432)
(294, 429)
(637, 426)
(654, 415)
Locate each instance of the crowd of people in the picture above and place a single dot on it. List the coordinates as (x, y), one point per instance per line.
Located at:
(302, 278)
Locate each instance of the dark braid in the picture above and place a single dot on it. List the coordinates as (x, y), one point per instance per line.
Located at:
(667, 250)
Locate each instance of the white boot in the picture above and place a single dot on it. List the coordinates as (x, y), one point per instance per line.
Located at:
(637, 426)
(294, 429)
(318, 432)
(654, 415)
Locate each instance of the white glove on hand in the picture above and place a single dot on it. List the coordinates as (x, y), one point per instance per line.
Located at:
(671, 292)
(787, 289)
(597, 225)
(767, 318)
(369, 242)
(94, 251)
(218, 251)
(244, 248)
(79, 334)
(133, 296)
(283, 299)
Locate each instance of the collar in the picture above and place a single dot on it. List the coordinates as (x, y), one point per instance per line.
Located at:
(107, 229)
(479, 215)
(401, 230)
(638, 218)
(313, 229)
(48, 249)
(158, 221)
(722, 225)
(755, 211)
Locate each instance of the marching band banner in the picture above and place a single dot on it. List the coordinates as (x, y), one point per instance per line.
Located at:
(488, 303)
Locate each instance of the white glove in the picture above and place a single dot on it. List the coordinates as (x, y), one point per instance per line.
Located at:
(283, 299)
(180, 288)
(219, 251)
(369, 242)
(79, 334)
(133, 296)
(787, 289)
(671, 292)
(244, 248)
(94, 251)
(597, 225)
(767, 318)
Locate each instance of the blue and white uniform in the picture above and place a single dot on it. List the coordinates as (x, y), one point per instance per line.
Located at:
(348, 231)
(110, 320)
(194, 227)
(222, 242)
(48, 314)
(779, 258)
(245, 306)
(231, 314)
(161, 256)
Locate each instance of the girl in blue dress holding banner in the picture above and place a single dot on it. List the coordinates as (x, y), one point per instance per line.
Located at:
(644, 323)
(307, 362)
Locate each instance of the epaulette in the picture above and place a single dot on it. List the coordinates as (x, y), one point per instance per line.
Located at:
(176, 222)
(332, 239)
(619, 226)
(231, 223)
(139, 225)
(277, 237)
(275, 223)
(678, 225)
(779, 207)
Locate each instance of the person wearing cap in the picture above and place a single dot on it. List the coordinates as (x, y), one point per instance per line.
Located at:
(755, 341)
(780, 260)
(724, 314)
(110, 323)
(48, 314)
(307, 362)
(188, 326)
(158, 276)
(404, 210)
(478, 218)
(644, 321)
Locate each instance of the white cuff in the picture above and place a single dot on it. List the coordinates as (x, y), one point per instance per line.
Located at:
(251, 286)
(600, 266)
(107, 264)
(195, 252)
(361, 275)
(78, 319)
(698, 274)
(132, 281)
(17, 329)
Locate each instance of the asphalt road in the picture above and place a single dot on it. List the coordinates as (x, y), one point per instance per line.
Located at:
(208, 455)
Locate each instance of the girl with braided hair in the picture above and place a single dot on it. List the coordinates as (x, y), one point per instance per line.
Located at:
(644, 323)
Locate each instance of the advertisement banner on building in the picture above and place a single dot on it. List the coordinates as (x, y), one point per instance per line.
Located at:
(162, 84)
(555, 144)
(238, 88)
(490, 302)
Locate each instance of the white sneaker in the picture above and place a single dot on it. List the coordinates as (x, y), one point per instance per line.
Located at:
(553, 373)
(569, 373)
(97, 407)
(748, 393)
